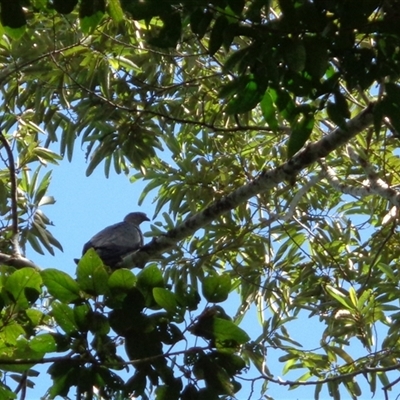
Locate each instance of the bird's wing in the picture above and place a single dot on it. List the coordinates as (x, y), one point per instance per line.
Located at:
(124, 236)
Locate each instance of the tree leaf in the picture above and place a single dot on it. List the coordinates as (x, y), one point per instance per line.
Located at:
(45, 343)
(60, 285)
(115, 10)
(246, 99)
(300, 134)
(165, 299)
(217, 34)
(64, 316)
(150, 277)
(200, 20)
(13, 18)
(216, 288)
(64, 6)
(90, 14)
(25, 286)
(121, 280)
(269, 112)
(92, 276)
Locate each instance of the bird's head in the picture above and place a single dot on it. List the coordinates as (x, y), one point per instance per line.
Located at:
(136, 218)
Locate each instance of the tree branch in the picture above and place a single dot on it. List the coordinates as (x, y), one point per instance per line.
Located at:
(267, 180)
(14, 210)
(17, 261)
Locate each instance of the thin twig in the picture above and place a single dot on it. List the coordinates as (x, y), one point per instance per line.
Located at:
(158, 114)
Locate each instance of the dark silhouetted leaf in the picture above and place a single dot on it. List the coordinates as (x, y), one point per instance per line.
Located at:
(91, 13)
(217, 34)
(13, 18)
(64, 6)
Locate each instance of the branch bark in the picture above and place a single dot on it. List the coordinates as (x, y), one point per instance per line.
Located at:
(18, 261)
(267, 180)
(13, 193)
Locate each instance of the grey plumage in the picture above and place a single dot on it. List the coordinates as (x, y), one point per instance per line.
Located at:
(118, 240)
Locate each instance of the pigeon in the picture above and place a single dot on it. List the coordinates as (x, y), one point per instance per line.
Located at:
(118, 240)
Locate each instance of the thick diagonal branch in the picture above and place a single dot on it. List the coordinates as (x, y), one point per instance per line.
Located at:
(267, 180)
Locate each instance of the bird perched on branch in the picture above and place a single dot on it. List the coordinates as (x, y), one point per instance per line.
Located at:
(118, 240)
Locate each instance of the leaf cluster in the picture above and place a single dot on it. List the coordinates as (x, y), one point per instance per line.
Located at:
(88, 319)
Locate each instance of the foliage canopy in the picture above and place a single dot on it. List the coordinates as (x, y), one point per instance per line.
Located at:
(267, 133)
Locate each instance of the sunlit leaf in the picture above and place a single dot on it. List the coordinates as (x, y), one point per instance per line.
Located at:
(60, 285)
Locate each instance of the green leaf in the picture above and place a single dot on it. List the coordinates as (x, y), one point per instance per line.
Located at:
(340, 297)
(246, 99)
(91, 12)
(115, 10)
(82, 313)
(64, 375)
(121, 280)
(45, 343)
(164, 392)
(187, 296)
(32, 239)
(216, 288)
(269, 112)
(98, 324)
(150, 277)
(341, 353)
(19, 350)
(6, 394)
(165, 299)
(92, 276)
(25, 286)
(217, 378)
(61, 285)
(170, 333)
(284, 103)
(47, 155)
(239, 57)
(301, 131)
(42, 234)
(64, 316)
(226, 331)
(353, 296)
(352, 387)
(41, 189)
